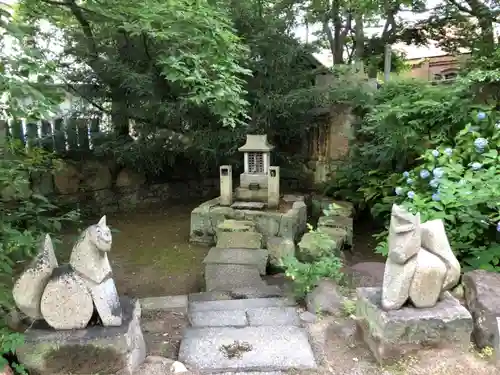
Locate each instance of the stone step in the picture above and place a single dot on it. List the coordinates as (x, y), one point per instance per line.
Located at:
(209, 296)
(249, 257)
(225, 277)
(264, 348)
(242, 240)
(246, 292)
(273, 316)
(266, 316)
(264, 291)
(240, 304)
(231, 225)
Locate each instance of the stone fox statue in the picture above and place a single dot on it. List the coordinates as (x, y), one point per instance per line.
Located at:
(67, 296)
(420, 265)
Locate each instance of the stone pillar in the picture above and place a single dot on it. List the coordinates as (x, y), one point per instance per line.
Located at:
(273, 187)
(226, 185)
(245, 162)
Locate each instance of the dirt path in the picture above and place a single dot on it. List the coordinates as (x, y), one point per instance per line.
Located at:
(344, 354)
(151, 254)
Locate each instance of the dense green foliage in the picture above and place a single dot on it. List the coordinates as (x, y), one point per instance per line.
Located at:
(459, 182)
(25, 215)
(393, 158)
(185, 79)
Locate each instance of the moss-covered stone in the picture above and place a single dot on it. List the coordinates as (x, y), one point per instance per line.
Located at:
(236, 226)
(95, 350)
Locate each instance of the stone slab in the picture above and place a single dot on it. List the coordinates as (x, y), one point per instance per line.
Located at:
(272, 349)
(242, 240)
(165, 303)
(240, 304)
(224, 277)
(243, 194)
(393, 334)
(209, 296)
(231, 225)
(113, 349)
(206, 217)
(224, 318)
(273, 316)
(264, 291)
(250, 257)
(248, 205)
(291, 198)
(482, 295)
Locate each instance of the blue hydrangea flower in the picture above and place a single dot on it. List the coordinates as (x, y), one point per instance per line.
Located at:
(476, 166)
(409, 181)
(498, 226)
(406, 174)
(438, 172)
(411, 194)
(424, 173)
(435, 197)
(480, 144)
(481, 115)
(398, 190)
(434, 183)
(435, 153)
(448, 151)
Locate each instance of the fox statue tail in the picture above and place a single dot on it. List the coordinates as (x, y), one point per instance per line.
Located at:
(29, 287)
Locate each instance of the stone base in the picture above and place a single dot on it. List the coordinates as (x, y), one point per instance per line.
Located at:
(95, 350)
(206, 217)
(271, 348)
(391, 335)
(248, 195)
(250, 257)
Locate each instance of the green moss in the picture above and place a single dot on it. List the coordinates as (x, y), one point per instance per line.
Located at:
(151, 254)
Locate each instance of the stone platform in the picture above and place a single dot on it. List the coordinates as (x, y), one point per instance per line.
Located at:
(98, 350)
(241, 324)
(268, 328)
(390, 335)
(270, 223)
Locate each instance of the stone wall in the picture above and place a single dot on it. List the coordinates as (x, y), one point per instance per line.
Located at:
(328, 142)
(101, 187)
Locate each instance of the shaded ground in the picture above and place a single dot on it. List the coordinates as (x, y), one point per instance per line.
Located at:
(344, 354)
(163, 331)
(363, 249)
(151, 254)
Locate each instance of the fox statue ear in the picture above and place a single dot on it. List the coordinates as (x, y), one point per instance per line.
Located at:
(102, 222)
(47, 243)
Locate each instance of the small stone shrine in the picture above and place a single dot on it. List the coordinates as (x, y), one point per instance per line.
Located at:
(76, 308)
(256, 199)
(259, 183)
(414, 307)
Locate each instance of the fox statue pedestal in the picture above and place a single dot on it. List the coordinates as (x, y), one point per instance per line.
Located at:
(80, 321)
(414, 308)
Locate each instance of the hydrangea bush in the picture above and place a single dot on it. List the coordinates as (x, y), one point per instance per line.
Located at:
(460, 183)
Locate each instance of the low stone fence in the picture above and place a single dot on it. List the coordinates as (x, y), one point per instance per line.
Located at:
(100, 187)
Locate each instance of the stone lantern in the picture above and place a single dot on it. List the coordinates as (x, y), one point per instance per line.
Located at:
(257, 159)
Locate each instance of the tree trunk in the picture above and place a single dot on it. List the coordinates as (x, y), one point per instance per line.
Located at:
(338, 51)
(119, 112)
(360, 37)
(3, 137)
